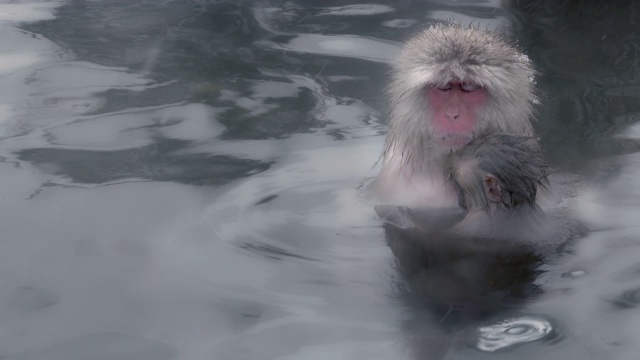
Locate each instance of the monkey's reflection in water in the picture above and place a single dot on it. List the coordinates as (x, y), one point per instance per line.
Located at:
(451, 285)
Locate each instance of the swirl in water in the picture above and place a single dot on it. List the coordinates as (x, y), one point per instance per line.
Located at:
(512, 332)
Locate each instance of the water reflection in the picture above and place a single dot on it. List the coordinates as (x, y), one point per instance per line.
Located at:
(454, 288)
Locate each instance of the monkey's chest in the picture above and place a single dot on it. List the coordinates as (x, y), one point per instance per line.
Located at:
(431, 191)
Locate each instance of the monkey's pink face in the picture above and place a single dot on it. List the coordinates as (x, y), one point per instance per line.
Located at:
(454, 110)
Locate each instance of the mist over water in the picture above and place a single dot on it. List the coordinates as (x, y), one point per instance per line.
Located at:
(179, 180)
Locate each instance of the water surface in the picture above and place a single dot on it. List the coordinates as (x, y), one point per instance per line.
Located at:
(180, 181)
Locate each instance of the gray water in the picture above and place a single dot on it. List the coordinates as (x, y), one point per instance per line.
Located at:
(179, 180)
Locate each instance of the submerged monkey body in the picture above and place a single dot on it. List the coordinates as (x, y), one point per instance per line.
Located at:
(451, 85)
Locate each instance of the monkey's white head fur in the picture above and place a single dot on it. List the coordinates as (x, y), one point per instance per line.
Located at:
(445, 53)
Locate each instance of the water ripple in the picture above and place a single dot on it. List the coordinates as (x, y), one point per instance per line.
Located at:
(350, 46)
(511, 332)
(628, 299)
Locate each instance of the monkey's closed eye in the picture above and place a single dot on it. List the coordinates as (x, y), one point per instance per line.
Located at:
(466, 87)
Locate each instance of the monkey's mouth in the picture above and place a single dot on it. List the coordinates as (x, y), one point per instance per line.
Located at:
(453, 141)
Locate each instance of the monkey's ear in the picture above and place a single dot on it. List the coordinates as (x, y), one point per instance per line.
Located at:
(492, 189)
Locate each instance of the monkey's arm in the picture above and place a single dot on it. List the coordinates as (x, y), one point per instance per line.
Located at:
(406, 184)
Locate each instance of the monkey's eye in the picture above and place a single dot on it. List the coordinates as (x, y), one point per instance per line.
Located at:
(470, 87)
(445, 87)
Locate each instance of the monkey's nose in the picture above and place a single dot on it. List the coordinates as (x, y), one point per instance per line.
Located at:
(453, 115)
(452, 112)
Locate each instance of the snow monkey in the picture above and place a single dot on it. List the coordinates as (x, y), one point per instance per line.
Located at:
(452, 87)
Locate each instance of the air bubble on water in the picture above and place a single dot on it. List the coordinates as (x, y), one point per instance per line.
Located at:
(512, 332)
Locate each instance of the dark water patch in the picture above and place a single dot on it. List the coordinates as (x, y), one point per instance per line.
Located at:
(587, 56)
(190, 34)
(285, 116)
(570, 154)
(607, 148)
(156, 162)
(30, 299)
